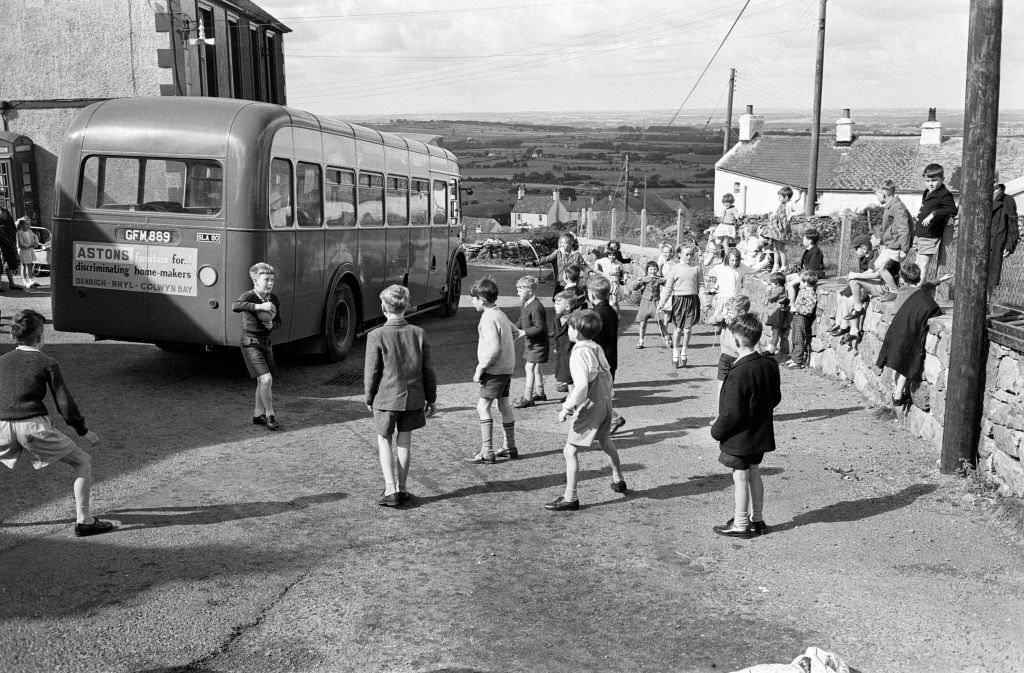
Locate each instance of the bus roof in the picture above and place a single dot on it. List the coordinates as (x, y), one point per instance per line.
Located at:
(182, 125)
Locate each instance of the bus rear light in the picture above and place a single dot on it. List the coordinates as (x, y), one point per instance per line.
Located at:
(208, 276)
(214, 304)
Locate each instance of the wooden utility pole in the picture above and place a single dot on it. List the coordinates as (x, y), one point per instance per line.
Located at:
(819, 75)
(625, 200)
(727, 141)
(969, 347)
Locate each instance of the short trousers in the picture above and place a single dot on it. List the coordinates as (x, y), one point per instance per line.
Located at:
(885, 255)
(36, 437)
(740, 462)
(386, 422)
(648, 310)
(258, 354)
(495, 386)
(537, 352)
(927, 246)
(724, 365)
(591, 425)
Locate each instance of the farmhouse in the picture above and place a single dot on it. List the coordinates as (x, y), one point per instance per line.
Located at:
(850, 165)
(535, 211)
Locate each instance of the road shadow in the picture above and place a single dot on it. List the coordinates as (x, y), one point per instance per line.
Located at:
(631, 436)
(696, 485)
(855, 510)
(817, 414)
(639, 397)
(519, 485)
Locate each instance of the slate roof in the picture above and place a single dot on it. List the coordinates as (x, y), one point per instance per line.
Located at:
(533, 204)
(862, 165)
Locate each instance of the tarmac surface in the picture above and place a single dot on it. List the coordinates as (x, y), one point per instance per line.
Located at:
(242, 550)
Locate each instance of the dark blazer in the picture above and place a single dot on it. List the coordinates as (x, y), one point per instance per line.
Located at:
(750, 392)
(397, 373)
(903, 346)
(1005, 235)
(813, 259)
(939, 201)
(563, 347)
(608, 337)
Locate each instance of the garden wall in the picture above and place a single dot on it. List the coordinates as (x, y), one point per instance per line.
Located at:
(1002, 430)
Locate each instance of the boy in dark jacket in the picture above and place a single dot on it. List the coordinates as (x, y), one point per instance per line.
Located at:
(598, 290)
(400, 389)
(937, 208)
(745, 428)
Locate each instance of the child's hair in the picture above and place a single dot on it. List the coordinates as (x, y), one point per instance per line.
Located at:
(747, 329)
(728, 198)
(613, 246)
(810, 277)
(486, 289)
(786, 192)
(261, 269)
(777, 278)
(862, 241)
(893, 267)
(812, 235)
(23, 220)
(586, 322)
(741, 302)
(687, 250)
(910, 273)
(566, 236)
(567, 296)
(27, 326)
(571, 274)
(599, 287)
(395, 298)
(733, 252)
(528, 281)
(933, 171)
(651, 265)
(889, 187)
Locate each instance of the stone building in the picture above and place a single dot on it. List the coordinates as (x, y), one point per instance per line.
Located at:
(58, 57)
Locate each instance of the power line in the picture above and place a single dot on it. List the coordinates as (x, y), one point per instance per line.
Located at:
(710, 61)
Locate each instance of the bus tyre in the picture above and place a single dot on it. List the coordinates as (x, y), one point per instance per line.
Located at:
(451, 299)
(342, 317)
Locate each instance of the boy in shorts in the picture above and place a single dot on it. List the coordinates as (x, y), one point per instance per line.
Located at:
(745, 428)
(24, 425)
(533, 323)
(400, 387)
(496, 357)
(590, 405)
(261, 314)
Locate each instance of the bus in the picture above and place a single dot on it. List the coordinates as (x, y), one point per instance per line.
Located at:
(163, 204)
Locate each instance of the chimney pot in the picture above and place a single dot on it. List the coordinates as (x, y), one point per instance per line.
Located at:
(931, 130)
(846, 112)
(750, 109)
(750, 125)
(931, 114)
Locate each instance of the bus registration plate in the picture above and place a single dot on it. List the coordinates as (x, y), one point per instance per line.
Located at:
(146, 236)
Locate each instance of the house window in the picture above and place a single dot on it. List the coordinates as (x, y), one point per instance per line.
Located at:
(207, 51)
(736, 188)
(256, 62)
(271, 84)
(235, 56)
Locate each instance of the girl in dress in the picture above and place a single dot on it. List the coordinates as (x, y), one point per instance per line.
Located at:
(27, 242)
(650, 294)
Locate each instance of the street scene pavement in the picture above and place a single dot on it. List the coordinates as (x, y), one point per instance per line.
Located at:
(243, 550)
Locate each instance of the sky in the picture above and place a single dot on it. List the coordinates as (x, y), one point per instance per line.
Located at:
(395, 57)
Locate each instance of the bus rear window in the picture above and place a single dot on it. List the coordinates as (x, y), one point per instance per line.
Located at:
(190, 186)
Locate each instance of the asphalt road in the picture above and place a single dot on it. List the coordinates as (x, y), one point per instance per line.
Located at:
(239, 549)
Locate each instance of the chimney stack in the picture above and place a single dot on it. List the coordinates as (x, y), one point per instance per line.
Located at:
(554, 195)
(750, 125)
(931, 130)
(521, 193)
(844, 128)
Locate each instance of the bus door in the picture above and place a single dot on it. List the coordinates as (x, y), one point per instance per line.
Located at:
(396, 233)
(309, 280)
(281, 238)
(438, 236)
(419, 243)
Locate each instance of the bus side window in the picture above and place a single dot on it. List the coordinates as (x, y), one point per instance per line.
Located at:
(440, 202)
(340, 197)
(453, 195)
(371, 200)
(311, 210)
(419, 203)
(398, 202)
(280, 205)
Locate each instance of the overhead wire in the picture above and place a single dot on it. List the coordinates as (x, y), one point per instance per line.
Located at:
(710, 61)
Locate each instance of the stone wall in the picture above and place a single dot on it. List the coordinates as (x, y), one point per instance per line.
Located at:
(1002, 428)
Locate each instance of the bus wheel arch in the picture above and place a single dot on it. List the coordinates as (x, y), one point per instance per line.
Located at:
(457, 271)
(341, 319)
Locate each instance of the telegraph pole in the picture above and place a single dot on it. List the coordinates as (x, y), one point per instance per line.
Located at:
(728, 112)
(625, 200)
(819, 73)
(969, 348)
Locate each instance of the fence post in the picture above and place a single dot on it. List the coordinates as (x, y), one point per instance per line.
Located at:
(611, 234)
(679, 227)
(844, 234)
(643, 228)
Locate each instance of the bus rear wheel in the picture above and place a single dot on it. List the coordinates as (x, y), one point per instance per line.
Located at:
(340, 328)
(451, 300)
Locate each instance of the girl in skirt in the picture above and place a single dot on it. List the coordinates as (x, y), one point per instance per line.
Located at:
(683, 283)
(650, 294)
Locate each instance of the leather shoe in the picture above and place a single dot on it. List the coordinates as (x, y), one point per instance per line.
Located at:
(730, 529)
(480, 459)
(522, 403)
(619, 486)
(511, 454)
(560, 504)
(391, 500)
(854, 314)
(839, 331)
(272, 423)
(95, 528)
(756, 527)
